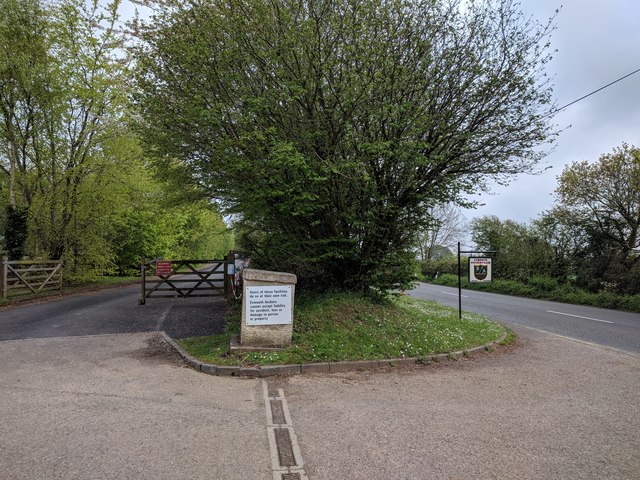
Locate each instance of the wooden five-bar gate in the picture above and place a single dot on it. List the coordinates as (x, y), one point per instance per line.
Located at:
(20, 277)
(187, 278)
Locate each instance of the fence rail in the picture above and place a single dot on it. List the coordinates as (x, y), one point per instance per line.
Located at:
(19, 277)
(185, 278)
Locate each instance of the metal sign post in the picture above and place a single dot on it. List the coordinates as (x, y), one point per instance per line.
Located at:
(489, 252)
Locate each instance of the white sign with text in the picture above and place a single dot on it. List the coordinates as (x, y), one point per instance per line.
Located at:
(479, 270)
(268, 305)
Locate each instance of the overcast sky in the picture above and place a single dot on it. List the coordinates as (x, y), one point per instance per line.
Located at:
(598, 41)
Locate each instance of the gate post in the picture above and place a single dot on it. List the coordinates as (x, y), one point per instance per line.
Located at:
(3, 277)
(143, 283)
(228, 271)
(60, 290)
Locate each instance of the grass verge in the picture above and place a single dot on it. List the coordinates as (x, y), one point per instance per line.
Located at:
(342, 326)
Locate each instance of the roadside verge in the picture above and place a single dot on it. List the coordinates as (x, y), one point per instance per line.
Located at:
(323, 367)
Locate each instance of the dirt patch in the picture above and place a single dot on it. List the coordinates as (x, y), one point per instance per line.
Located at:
(158, 351)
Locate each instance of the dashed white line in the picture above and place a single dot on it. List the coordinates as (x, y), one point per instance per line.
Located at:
(579, 316)
(455, 294)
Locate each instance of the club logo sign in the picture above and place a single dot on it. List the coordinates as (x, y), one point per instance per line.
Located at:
(479, 269)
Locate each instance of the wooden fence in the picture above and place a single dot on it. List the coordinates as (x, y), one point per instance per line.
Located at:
(29, 276)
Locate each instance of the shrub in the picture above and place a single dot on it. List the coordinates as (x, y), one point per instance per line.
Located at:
(441, 266)
(543, 283)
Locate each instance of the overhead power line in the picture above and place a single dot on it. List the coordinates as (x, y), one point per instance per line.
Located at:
(596, 91)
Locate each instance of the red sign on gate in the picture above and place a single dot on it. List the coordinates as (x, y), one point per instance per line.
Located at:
(163, 267)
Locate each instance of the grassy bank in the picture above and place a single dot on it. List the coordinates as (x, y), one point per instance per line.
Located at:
(545, 289)
(349, 327)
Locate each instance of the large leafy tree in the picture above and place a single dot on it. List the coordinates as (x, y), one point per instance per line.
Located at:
(332, 127)
(23, 60)
(603, 197)
(73, 178)
(61, 100)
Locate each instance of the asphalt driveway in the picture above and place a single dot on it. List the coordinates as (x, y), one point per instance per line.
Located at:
(110, 311)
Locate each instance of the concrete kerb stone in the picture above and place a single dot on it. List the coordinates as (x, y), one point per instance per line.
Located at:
(315, 368)
(398, 362)
(327, 367)
(209, 369)
(361, 365)
(227, 370)
(271, 370)
(441, 357)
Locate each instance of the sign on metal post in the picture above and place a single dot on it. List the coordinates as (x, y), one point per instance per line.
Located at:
(479, 270)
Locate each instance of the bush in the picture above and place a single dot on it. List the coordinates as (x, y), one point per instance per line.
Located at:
(441, 266)
(448, 280)
(543, 283)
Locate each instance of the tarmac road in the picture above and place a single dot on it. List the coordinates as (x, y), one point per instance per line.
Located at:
(111, 311)
(121, 407)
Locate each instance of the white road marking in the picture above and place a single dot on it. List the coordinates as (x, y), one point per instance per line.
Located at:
(579, 316)
(277, 469)
(455, 294)
(591, 344)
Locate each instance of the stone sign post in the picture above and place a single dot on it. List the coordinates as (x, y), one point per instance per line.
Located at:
(267, 309)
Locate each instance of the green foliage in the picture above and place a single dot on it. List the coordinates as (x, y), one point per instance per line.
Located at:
(332, 129)
(586, 249)
(69, 163)
(542, 283)
(186, 231)
(602, 201)
(441, 266)
(521, 253)
(15, 232)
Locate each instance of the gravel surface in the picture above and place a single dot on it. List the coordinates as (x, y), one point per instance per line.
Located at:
(121, 407)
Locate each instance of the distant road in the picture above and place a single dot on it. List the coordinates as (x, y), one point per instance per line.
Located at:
(601, 326)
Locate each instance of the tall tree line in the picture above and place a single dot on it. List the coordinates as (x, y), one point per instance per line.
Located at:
(590, 238)
(74, 182)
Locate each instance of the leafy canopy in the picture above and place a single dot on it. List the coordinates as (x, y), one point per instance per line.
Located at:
(332, 127)
(602, 199)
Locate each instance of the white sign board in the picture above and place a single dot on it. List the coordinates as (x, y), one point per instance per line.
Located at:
(268, 305)
(479, 269)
